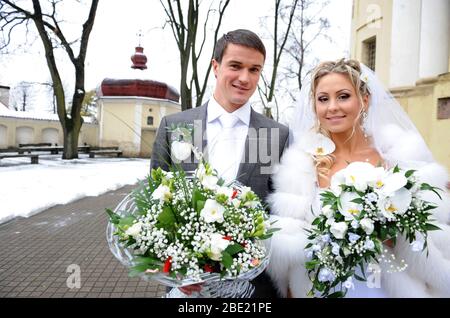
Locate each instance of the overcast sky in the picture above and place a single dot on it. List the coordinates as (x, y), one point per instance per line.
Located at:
(114, 37)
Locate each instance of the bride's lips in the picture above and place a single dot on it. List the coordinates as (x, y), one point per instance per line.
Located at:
(334, 119)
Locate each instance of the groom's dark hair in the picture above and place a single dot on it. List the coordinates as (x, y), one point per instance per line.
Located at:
(239, 37)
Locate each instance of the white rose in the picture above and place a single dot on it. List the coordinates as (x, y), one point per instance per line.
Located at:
(212, 211)
(367, 225)
(181, 150)
(134, 230)
(338, 229)
(327, 211)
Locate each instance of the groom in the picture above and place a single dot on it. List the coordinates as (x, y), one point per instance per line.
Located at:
(237, 141)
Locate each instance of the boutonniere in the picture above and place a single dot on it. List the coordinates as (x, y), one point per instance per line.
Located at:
(181, 140)
(317, 144)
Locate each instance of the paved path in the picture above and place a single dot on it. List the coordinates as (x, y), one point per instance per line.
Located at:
(35, 253)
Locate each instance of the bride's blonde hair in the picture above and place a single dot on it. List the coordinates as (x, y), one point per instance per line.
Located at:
(352, 69)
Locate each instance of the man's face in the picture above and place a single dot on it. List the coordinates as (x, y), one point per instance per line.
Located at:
(237, 76)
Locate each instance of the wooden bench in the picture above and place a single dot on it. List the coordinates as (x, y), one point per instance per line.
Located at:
(93, 153)
(34, 158)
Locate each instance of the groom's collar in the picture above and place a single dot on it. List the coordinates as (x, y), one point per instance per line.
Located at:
(215, 111)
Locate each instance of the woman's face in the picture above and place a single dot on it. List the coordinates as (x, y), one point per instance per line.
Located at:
(337, 104)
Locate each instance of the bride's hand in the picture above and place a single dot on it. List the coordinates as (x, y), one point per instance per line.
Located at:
(189, 289)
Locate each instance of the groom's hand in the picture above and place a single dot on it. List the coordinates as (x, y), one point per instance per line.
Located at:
(188, 290)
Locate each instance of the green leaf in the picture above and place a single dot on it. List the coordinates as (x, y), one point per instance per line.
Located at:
(234, 249)
(357, 200)
(138, 269)
(198, 200)
(166, 218)
(338, 294)
(126, 221)
(142, 260)
(409, 173)
(316, 221)
(396, 169)
(227, 260)
(311, 264)
(113, 217)
(359, 278)
(426, 186)
(432, 227)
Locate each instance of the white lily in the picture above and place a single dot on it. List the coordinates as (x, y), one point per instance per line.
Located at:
(348, 209)
(317, 144)
(212, 211)
(162, 193)
(181, 149)
(398, 203)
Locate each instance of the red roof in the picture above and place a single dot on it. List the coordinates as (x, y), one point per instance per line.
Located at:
(138, 87)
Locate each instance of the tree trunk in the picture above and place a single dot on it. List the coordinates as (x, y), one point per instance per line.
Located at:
(71, 134)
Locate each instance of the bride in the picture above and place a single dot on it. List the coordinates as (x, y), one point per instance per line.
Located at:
(345, 102)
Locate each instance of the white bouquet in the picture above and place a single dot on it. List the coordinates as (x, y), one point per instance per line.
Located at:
(364, 207)
(183, 230)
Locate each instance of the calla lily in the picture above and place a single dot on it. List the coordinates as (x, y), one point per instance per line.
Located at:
(181, 150)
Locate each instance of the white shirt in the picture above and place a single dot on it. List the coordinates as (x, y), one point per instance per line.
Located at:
(226, 155)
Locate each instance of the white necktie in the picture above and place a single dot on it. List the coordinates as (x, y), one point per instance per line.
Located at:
(225, 159)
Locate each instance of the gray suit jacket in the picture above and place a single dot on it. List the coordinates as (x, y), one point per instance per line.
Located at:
(264, 146)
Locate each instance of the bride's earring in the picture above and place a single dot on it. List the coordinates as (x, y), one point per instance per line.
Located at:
(364, 123)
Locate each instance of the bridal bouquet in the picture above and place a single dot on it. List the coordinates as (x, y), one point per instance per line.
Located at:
(185, 227)
(364, 207)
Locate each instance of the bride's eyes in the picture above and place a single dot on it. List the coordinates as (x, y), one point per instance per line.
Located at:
(322, 99)
(344, 96)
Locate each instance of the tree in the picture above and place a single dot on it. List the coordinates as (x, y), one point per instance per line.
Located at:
(308, 26)
(48, 26)
(297, 25)
(280, 37)
(22, 96)
(88, 108)
(185, 29)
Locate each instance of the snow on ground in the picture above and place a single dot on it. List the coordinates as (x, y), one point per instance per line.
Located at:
(27, 189)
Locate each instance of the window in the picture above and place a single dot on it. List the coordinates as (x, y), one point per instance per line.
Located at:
(369, 52)
(443, 108)
(150, 120)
